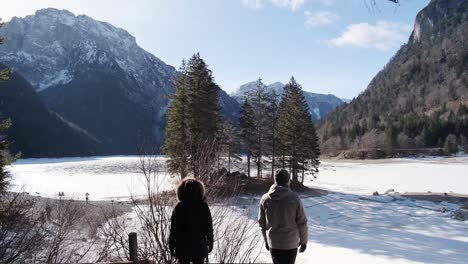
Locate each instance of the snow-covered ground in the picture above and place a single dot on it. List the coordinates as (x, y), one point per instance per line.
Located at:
(104, 178)
(402, 175)
(347, 226)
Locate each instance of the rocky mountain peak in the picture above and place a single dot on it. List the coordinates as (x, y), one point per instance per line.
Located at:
(61, 16)
(430, 17)
(51, 45)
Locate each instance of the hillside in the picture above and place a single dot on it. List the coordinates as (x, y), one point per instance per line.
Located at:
(36, 131)
(419, 100)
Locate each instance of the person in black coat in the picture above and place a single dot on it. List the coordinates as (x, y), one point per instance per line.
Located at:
(191, 236)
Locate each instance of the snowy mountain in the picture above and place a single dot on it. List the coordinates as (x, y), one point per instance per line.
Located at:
(319, 104)
(49, 46)
(94, 75)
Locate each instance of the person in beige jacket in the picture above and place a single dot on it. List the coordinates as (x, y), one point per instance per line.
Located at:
(283, 221)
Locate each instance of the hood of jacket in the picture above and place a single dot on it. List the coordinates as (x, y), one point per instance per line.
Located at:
(278, 192)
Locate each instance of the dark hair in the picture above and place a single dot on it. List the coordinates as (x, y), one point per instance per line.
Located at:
(282, 178)
(191, 190)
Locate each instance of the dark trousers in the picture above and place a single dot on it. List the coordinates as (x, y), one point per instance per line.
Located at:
(283, 256)
(194, 261)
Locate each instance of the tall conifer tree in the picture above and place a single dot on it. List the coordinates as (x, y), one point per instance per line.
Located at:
(247, 130)
(298, 141)
(272, 135)
(194, 120)
(4, 125)
(4, 154)
(176, 130)
(203, 115)
(231, 144)
(260, 99)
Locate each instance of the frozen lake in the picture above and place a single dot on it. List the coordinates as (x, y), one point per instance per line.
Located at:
(402, 175)
(104, 178)
(118, 176)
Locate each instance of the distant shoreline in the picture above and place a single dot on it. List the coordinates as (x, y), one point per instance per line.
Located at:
(380, 153)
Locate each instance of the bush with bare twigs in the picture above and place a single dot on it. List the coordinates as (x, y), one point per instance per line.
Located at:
(41, 230)
(21, 228)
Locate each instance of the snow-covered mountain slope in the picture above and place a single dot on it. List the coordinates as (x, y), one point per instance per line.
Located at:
(49, 46)
(319, 104)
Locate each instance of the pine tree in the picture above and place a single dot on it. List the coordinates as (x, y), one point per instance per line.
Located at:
(310, 150)
(4, 125)
(247, 130)
(203, 116)
(451, 144)
(231, 144)
(260, 99)
(176, 130)
(297, 137)
(4, 155)
(194, 121)
(272, 111)
(390, 138)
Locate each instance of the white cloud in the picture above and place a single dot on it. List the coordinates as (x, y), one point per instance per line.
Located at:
(384, 35)
(290, 4)
(315, 19)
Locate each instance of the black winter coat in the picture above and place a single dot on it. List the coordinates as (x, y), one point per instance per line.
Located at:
(191, 234)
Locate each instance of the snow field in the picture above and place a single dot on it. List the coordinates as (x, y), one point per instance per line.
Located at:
(402, 175)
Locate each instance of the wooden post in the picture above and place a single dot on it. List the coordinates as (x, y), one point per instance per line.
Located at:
(133, 245)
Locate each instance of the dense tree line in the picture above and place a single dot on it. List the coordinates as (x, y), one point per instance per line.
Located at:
(272, 133)
(279, 133)
(406, 131)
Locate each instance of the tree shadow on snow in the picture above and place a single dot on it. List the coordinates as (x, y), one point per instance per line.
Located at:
(402, 228)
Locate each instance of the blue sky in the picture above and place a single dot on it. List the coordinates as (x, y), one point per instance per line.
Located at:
(330, 46)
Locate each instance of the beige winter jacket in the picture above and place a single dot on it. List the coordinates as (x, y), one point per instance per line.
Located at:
(282, 218)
